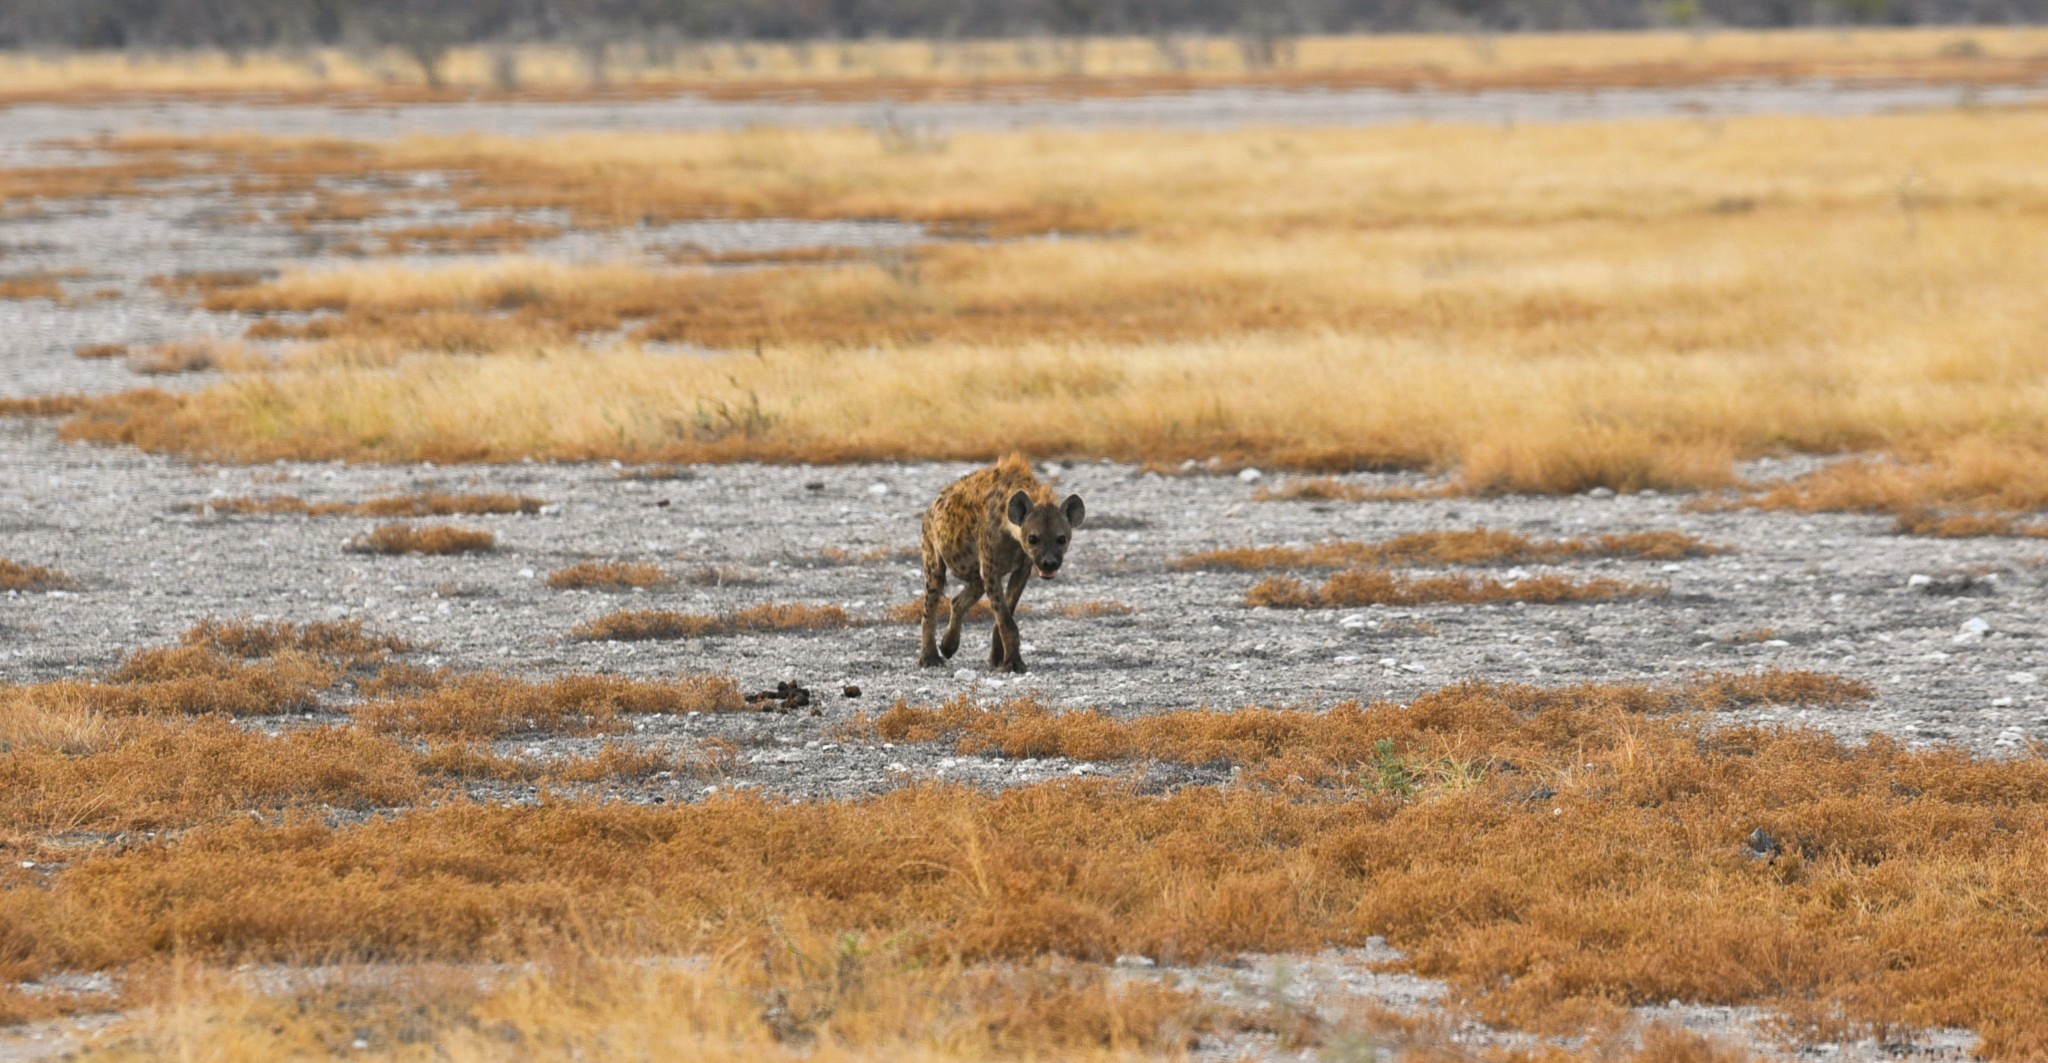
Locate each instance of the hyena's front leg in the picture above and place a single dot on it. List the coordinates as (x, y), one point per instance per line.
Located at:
(1006, 621)
(962, 602)
(934, 591)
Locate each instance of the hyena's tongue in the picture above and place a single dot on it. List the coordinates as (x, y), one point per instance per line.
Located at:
(1047, 575)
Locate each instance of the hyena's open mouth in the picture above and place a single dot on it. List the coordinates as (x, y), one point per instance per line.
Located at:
(1048, 573)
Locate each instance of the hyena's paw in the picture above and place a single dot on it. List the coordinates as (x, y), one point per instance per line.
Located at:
(951, 645)
(928, 659)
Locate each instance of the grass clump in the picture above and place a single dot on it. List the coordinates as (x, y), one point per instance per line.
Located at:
(193, 679)
(608, 575)
(15, 576)
(634, 625)
(430, 539)
(101, 350)
(342, 641)
(1361, 586)
(490, 706)
(1477, 547)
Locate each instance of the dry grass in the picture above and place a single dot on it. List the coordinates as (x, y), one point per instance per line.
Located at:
(489, 706)
(1607, 856)
(427, 504)
(1365, 586)
(1033, 68)
(33, 286)
(341, 641)
(1673, 297)
(1971, 486)
(1329, 747)
(43, 405)
(102, 350)
(15, 576)
(608, 575)
(1092, 609)
(633, 625)
(801, 995)
(501, 235)
(427, 539)
(1477, 547)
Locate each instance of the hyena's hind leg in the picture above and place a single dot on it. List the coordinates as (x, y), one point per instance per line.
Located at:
(962, 602)
(934, 591)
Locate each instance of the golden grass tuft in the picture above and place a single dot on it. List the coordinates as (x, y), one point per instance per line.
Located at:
(489, 706)
(608, 575)
(101, 350)
(43, 405)
(1477, 547)
(1775, 687)
(15, 576)
(632, 625)
(33, 286)
(1092, 609)
(1365, 586)
(429, 539)
(342, 641)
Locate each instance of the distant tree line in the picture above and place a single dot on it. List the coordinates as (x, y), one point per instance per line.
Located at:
(440, 24)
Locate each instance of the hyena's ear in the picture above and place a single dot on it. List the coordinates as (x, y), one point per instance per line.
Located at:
(1020, 507)
(1074, 510)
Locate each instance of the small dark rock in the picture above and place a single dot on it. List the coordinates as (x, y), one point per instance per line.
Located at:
(815, 485)
(851, 692)
(1762, 846)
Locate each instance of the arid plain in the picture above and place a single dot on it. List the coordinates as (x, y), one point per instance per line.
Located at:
(1562, 579)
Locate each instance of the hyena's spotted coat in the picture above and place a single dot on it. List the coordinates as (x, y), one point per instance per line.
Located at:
(992, 528)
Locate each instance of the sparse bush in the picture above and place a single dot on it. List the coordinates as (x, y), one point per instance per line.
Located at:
(607, 575)
(1365, 586)
(643, 624)
(431, 539)
(488, 706)
(15, 576)
(342, 641)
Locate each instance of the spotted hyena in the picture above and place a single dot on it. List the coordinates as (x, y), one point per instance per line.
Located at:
(991, 529)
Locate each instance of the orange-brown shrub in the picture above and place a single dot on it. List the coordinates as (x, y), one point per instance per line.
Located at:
(344, 641)
(1364, 586)
(642, 624)
(43, 405)
(486, 705)
(147, 774)
(15, 576)
(196, 679)
(607, 575)
(32, 286)
(430, 539)
(1479, 546)
(1965, 525)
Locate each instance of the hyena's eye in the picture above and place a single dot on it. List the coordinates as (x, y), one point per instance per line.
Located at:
(1063, 540)
(1034, 540)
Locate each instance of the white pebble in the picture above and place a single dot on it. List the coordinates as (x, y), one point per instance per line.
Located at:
(1251, 476)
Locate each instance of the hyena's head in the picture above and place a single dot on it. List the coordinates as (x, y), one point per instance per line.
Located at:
(1043, 529)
